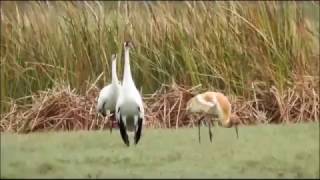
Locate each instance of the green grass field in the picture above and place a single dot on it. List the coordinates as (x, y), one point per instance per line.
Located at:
(287, 151)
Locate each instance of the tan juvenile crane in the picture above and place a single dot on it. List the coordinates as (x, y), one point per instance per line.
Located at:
(215, 104)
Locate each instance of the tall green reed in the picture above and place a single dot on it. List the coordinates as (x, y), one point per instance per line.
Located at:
(222, 45)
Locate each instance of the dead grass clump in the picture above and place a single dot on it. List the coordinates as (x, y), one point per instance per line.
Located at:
(270, 105)
(166, 107)
(63, 109)
(56, 109)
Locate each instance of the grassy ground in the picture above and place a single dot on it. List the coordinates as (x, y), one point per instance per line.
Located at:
(262, 151)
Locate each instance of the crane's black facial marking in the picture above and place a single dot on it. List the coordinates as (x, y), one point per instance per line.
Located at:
(118, 110)
(139, 109)
(137, 134)
(123, 131)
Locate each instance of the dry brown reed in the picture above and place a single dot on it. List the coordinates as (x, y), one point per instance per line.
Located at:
(62, 109)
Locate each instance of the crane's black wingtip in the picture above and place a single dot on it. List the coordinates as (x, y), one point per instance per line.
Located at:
(123, 132)
(137, 134)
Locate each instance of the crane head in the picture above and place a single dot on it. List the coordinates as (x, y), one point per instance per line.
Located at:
(113, 57)
(234, 122)
(128, 44)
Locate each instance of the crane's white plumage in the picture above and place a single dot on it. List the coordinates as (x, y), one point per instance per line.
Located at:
(129, 107)
(109, 94)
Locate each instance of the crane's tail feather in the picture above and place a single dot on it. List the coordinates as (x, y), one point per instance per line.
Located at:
(102, 110)
(137, 134)
(199, 134)
(123, 132)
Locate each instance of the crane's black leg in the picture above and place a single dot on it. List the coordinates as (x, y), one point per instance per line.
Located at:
(137, 134)
(111, 118)
(210, 132)
(199, 124)
(199, 134)
(123, 132)
(236, 128)
(110, 126)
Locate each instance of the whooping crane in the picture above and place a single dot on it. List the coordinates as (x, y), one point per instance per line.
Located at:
(109, 94)
(130, 112)
(215, 104)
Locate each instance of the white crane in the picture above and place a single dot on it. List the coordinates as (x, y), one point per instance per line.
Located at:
(109, 94)
(130, 112)
(212, 103)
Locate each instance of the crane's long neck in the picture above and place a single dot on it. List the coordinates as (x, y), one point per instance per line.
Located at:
(127, 77)
(227, 123)
(114, 71)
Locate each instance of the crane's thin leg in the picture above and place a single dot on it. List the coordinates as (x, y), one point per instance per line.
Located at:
(94, 121)
(104, 122)
(210, 132)
(111, 127)
(111, 121)
(108, 122)
(199, 123)
(236, 128)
